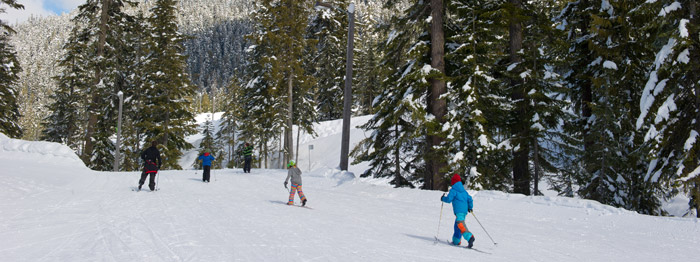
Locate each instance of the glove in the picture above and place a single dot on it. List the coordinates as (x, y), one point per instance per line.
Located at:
(470, 211)
(285, 184)
(443, 196)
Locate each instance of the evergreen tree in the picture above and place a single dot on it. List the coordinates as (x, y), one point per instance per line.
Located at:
(9, 71)
(101, 23)
(670, 101)
(329, 28)
(63, 125)
(164, 117)
(208, 145)
(397, 145)
(475, 37)
(281, 47)
(229, 123)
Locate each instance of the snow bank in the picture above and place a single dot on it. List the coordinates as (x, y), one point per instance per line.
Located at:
(49, 153)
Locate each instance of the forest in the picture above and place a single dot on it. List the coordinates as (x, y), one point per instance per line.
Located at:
(599, 98)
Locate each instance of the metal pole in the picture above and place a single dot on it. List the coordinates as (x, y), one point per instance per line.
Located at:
(119, 132)
(347, 97)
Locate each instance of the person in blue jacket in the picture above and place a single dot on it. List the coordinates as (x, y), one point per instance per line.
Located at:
(462, 204)
(206, 165)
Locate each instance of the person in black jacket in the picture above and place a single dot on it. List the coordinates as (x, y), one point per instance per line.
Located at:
(152, 162)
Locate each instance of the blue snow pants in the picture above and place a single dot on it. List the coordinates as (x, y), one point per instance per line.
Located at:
(460, 229)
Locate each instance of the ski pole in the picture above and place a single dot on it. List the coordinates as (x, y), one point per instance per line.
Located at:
(439, 221)
(482, 227)
(157, 181)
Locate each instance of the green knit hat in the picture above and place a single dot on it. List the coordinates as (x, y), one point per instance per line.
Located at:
(291, 164)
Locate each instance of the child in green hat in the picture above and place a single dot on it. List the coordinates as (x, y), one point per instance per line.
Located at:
(295, 174)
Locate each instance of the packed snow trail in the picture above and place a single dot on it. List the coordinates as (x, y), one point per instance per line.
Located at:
(55, 209)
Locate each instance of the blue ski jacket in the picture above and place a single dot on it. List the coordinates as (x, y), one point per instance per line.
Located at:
(461, 200)
(206, 159)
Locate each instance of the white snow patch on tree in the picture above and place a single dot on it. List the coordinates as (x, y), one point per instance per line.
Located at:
(610, 65)
(665, 109)
(684, 57)
(670, 8)
(683, 30)
(511, 67)
(691, 140)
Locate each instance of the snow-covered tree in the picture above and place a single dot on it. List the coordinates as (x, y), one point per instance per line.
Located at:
(670, 102)
(9, 76)
(164, 116)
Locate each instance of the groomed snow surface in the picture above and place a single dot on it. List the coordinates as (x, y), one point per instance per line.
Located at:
(55, 209)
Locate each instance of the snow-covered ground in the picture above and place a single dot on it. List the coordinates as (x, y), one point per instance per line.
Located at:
(53, 208)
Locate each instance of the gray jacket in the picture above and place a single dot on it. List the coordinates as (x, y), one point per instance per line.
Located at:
(295, 174)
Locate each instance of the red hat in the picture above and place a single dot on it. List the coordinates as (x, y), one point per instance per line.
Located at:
(456, 178)
(206, 154)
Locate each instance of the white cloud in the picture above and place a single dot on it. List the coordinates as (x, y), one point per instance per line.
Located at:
(31, 8)
(38, 8)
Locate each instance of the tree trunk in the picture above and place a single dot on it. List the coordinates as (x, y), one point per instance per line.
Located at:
(95, 101)
(296, 158)
(437, 105)
(521, 172)
(289, 140)
(397, 156)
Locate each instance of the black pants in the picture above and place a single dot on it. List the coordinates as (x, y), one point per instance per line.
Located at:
(246, 166)
(205, 174)
(151, 182)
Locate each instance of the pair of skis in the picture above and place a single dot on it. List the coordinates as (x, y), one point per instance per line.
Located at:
(447, 242)
(136, 189)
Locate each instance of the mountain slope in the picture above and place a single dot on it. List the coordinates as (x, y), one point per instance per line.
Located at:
(55, 209)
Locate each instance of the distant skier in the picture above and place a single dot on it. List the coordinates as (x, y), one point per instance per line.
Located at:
(206, 159)
(248, 156)
(151, 165)
(462, 204)
(295, 174)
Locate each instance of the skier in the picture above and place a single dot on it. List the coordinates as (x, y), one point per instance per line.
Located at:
(295, 174)
(206, 159)
(247, 155)
(462, 204)
(151, 165)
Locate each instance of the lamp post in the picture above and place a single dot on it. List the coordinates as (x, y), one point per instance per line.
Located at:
(119, 132)
(347, 96)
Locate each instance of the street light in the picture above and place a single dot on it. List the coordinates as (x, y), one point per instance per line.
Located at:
(119, 132)
(347, 96)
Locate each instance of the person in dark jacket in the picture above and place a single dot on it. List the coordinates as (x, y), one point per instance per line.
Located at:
(462, 204)
(248, 156)
(151, 165)
(206, 159)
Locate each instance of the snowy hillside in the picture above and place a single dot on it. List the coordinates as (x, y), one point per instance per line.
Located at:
(55, 209)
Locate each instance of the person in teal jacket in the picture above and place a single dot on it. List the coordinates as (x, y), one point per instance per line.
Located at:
(462, 204)
(206, 165)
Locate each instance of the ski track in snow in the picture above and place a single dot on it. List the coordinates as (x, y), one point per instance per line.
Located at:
(57, 210)
(243, 217)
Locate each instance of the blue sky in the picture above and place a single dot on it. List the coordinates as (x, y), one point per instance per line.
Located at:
(55, 6)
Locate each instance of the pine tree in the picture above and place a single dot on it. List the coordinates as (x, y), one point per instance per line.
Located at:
(63, 125)
(474, 40)
(397, 146)
(670, 102)
(229, 123)
(9, 71)
(209, 145)
(101, 23)
(329, 28)
(281, 46)
(164, 117)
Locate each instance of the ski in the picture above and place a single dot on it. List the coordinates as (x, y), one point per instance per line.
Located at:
(447, 242)
(301, 206)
